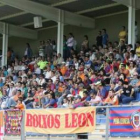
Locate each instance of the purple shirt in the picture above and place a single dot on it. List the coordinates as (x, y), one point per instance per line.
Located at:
(80, 104)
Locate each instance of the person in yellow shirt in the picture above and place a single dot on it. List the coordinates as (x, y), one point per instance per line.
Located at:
(122, 34)
(138, 49)
(42, 64)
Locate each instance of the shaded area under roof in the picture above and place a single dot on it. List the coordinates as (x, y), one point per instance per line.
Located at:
(22, 19)
(80, 5)
(105, 11)
(48, 2)
(8, 10)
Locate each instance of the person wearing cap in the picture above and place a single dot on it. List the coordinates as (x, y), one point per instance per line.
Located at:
(70, 98)
(102, 92)
(127, 93)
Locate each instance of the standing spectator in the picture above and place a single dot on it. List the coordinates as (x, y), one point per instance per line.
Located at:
(65, 47)
(70, 44)
(136, 31)
(99, 39)
(122, 34)
(9, 54)
(104, 38)
(48, 49)
(41, 48)
(28, 51)
(138, 49)
(85, 43)
(122, 47)
(54, 45)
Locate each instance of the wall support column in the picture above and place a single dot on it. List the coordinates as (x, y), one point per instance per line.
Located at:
(60, 32)
(131, 23)
(4, 44)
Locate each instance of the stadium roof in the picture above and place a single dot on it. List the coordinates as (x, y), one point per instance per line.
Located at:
(89, 8)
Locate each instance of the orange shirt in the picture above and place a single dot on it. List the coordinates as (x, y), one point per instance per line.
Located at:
(20, 106)
(82, 76)
(16, 97)
(109, 100)
(126, 72)
(60, 89)
(63, 70)
(36, 97)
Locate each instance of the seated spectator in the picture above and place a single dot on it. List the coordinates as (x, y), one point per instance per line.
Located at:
(51, 102)
(20, 105)
(95, 99)
(4, 99)
(14, 99)
(127, 93)
(77, 103)
(112, 99)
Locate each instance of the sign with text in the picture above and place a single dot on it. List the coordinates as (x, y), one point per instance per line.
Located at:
(13, 122)
(125, 121)
(60, 121)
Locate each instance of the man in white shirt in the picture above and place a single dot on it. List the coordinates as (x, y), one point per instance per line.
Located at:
(70, 44)
(48, 73)
(53, 77)
(11, 90)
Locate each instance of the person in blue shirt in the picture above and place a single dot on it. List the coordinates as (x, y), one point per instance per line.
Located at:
(52, 101)
(87, 62)
(5, 72)
(1, 83)
(104, 38)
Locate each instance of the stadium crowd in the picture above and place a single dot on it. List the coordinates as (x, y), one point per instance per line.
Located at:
(105, 74)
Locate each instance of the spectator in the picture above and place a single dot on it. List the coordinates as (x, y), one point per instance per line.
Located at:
(127, 94)
(51, 102)
(85, 43)
(136, 31)
(122, 34)
(41, 48)
(104, 38)
(28, 51)
(112, 99)
(99, 39)
(70, 44)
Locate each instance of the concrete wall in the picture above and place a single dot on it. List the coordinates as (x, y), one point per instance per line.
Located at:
(112, 24)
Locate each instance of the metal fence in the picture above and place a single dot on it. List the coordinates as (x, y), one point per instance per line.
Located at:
(102, 131)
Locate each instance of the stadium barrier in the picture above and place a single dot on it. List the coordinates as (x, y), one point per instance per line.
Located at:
(118, 121)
